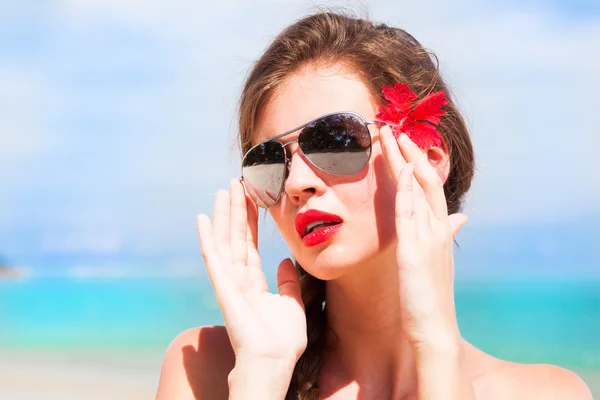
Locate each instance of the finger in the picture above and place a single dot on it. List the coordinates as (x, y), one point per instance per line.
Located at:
(393, 158)
(422, 209)
(252, 223)
(239, 223)
(214, 267)
(227, 291)
(208, 248)
(288, 283)
(221, 219)
(252, 234)
(456, 221)
(405, 207)
(430, 181)
(249, 189)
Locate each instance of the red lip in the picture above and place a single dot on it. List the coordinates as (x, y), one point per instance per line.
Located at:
(303, 219)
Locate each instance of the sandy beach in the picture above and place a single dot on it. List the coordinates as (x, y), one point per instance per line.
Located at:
(99, 375)
(56, 375)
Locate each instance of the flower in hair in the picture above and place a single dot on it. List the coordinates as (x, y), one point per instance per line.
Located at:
(417, 121)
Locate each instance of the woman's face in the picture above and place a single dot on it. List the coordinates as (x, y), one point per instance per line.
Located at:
(365, 200)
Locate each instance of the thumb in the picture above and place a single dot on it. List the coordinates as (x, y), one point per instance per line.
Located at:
(288, 283)
(456, 221)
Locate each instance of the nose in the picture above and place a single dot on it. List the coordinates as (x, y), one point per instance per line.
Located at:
(303, 180)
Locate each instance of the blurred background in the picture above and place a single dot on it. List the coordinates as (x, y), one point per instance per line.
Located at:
(117, 126)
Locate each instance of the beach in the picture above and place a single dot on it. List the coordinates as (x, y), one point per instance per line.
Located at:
(49, 375)
(73, 338)
(95, 376)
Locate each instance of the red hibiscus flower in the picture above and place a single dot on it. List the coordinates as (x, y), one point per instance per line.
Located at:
(418, 122)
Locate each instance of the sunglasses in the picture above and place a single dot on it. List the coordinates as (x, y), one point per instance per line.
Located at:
(338, 144)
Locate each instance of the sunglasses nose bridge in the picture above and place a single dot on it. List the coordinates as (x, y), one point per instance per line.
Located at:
(284, 145)
(288, 156)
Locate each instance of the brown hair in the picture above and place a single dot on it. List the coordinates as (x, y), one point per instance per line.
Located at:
(380, 55)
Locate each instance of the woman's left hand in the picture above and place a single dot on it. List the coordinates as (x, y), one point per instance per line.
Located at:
(424, 253)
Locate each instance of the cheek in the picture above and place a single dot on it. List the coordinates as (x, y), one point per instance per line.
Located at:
(284, 222)
(370, 200)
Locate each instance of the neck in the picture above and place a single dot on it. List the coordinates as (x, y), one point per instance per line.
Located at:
(369, 350)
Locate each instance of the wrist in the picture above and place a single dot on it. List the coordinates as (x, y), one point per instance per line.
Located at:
(264, 379)
(436, 335)
(442, 371)
(446, 343)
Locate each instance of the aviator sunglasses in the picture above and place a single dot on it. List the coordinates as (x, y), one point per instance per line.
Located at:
(337, 144)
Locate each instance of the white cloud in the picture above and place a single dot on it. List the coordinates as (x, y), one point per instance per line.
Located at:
(179, 18)
(526, 81)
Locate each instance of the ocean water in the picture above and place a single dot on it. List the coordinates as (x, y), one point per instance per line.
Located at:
(538, 322)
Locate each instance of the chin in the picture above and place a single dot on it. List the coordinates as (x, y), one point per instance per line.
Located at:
(332, 261)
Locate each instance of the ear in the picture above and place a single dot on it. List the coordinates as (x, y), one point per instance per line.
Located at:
(440, 161)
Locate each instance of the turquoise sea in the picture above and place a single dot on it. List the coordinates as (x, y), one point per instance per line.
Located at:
(533, 322)
(554, 322)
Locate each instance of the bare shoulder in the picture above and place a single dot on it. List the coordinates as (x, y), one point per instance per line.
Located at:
(499, 379)
(543, 381)
(196, 365)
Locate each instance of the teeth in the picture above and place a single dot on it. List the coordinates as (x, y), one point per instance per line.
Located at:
(310, 227)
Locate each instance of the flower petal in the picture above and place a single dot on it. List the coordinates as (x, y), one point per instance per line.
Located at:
(399, 95)
(430, 108)
(390, 114)
(425, 135)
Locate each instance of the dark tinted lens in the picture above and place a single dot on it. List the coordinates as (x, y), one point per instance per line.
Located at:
(339, 144)
(263, 169)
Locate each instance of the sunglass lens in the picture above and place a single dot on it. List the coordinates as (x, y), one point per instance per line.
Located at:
(263, 169)
(339, 144)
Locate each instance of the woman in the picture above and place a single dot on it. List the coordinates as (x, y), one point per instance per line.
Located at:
(368, 213)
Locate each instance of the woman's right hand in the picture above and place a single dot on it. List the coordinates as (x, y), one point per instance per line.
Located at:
(264, 328)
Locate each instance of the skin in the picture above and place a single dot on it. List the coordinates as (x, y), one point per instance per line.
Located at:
(389, 271)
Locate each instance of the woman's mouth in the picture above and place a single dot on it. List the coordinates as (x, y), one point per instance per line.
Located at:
(315, 227)
(321, 233)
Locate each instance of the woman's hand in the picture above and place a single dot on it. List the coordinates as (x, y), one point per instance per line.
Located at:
(264, 328)
(425, 236)
(426, 270)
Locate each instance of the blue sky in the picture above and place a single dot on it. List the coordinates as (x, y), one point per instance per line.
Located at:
(117, 118)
